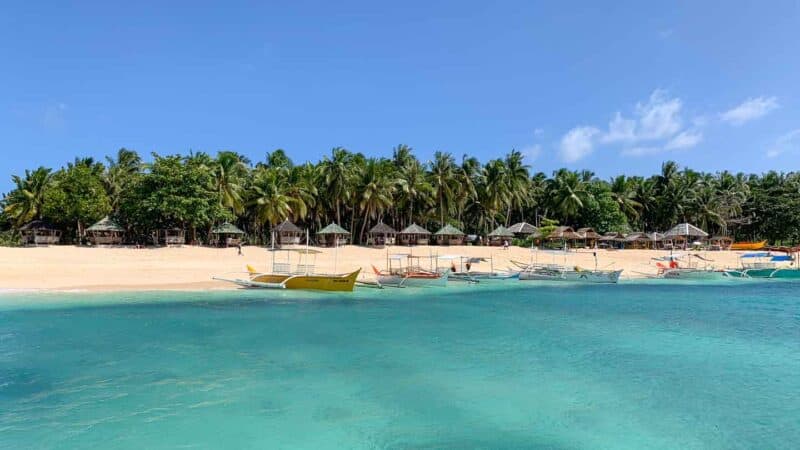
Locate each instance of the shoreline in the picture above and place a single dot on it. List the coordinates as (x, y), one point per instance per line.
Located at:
(127, 269)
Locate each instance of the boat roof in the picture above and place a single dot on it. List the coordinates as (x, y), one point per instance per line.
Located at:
(756, 255)
(309, 251)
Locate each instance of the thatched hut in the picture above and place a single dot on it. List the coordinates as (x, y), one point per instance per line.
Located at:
(171, 236)
(381, 234)
(522, 230)
(414, 235)
(226, 235)
(681, 234)
(500, 235)
(449, 235)
(564, 233)
(40, 232)
(721, 242)
(589, 236)
(287, 233)
(612, 239)
(105, 232)
(333, 235)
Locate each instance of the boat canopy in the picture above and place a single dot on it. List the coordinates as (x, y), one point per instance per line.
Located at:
(778, 258)
(756, 255)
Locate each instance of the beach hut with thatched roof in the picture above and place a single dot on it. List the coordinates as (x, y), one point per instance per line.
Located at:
(449, 235)
(414, 235)
(589, 236)
(500, 235)
(682, 233)
(39, 232)
(522, 230)
(170, 236)
(287, 233)
(381, 234)
(634, 240)
(564, 233)
(333, 235)
(226, 235)
(105, 232)
(721, 242)
(612, 239)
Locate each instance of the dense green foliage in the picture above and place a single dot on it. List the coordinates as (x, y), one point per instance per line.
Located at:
(197, 191)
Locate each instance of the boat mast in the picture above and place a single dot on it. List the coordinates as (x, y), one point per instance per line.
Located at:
(307, 251)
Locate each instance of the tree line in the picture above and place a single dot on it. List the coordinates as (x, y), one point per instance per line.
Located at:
(197, 191)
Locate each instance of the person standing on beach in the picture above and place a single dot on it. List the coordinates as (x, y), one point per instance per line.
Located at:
(239, 247)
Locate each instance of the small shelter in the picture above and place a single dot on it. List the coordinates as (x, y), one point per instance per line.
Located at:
(414, 235)
(40, 232)
(565, 234)
(332, 236)
(171, 236)
(612, 239)
(449, 235)
(500, 235)
(721, 242)
(226, 235)
(381, 234)
(589, 236)
(105, 232)
(287, 233)
(522, 230)
(634, 240)
(681, 234)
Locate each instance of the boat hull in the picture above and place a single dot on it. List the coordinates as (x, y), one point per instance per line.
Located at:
(578, 276)
(484, 277)
(689, 274)
(342, 283)
(788, 273)
(748, 245)
(412, 280)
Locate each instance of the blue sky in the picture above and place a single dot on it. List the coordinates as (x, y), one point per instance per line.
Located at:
(615, 88)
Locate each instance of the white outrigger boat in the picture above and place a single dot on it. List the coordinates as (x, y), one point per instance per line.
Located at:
(766, 265)
(409, 275)
(464, 272)
(690, 270)
(558, 272)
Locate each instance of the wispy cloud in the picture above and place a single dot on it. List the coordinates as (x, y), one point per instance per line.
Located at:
(684, 140)
(641, 151)
(750, 109)
(537, 132)
(532, 152)
(53, 118)
(786, 143)
(578, 143)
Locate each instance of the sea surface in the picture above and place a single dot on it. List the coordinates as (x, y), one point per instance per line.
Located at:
(522, 365)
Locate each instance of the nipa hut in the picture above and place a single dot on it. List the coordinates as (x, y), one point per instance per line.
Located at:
(681, 234)
(333, 235)
(564, 233)
(721, 242)
(171, 236)
(381, 234)
(612, 239)
(589, 236)
(414, 235)
(287, 233)
(226, 235)
(40, 232)
(449, 235)
(500, 235)
(522, 230)
(105, 232)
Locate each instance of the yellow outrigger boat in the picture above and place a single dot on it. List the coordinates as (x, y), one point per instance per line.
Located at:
(748, 245)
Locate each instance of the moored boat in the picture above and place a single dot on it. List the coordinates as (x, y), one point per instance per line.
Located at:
(398, 274)
(748, 245)
(553, 272)
(768, 265)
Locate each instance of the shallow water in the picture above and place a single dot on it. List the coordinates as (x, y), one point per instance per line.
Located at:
(527, 366)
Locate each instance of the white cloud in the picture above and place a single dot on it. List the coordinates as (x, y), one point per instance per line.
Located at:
(532, 152)
(641, 151)
(750, 109)
(538, 132)
(658, 118)
(578, 143)
(684, 140)
(620, 129)
(787, 143)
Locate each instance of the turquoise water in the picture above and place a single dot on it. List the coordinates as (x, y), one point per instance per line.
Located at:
(529, 366)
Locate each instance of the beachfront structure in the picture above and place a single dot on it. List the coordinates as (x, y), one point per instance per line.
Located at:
(226, 235)
(500, 235)
(589, 236)
(381, 234)
(612, 239)
(105, 232)
(332, 236)
(414, 235)
(721, 242)
(522, 230)
(170, 236)
(449, 235)
(40, 232)
(287, 233)
(564, 233)
(681, 234)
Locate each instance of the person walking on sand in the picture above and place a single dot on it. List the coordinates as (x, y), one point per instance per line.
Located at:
(239, 247)
(505, 244)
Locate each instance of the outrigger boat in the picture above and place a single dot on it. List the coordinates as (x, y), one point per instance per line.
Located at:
(748, 245)
(472, 276)
(302, 276)
(556, 272)
(767, 265)
(409, 275)
(673, 270)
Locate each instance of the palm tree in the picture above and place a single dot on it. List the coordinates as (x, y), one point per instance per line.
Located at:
(375, 191)
(495, 195)
(25, 202)
(569, 193)
(336, 175)
(443, 180)
(268, 197)
(414, 188)
(517, 181)
(120, 174)
(230, 171)
(624, 194)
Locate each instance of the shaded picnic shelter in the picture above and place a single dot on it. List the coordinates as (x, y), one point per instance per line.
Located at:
(522, 230)
(39, 232)
(681, 234)
(590, 236)
(226, 235)
(170, 236)
(414, 235)
(105, 232)
(381, 234)
(333, 235)
(449, 235)
(500, 235)
(287, 233)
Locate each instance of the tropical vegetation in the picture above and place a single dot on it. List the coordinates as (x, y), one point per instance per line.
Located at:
(197, 191)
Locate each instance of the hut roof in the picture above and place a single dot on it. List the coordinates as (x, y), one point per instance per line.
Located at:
(563, 232)
(333, 229)
(106, 224)
(612, 236)
(382, 228)
(227, 228)
(655, 236)
(588, 233)
(501, 231)
(288, 227)
(449, 230)
(722, 238)
(685, 229)
(636, 236)
(39, 225)
(522, 228)
(414, 229)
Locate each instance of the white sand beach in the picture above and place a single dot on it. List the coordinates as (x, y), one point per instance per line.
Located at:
(61, 268)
